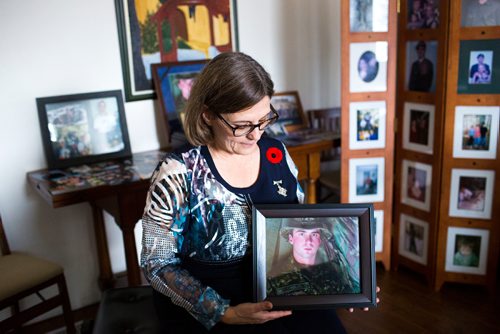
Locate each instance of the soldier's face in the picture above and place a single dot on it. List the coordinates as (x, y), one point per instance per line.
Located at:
(305, 243)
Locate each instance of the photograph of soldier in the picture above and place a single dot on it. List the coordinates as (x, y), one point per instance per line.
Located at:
(421, 57)
(314, 256)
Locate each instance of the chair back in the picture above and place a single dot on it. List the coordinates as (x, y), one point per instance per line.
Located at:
(328, 120)
(4, 245)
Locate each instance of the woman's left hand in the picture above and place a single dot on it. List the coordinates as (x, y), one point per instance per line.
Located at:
(366, 308)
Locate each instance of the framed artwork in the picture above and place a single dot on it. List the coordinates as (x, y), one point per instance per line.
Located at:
(423, 14)
(471, 194)
(416, 183)
(289, 108)
(83, 128)
(366, 180)
(479, 67)
(421, 60)
(368, 67)
(158, 31)
(173, 82)
(368, 118)
(467, 250)
(378, 218)
(369, 15)
(413, 238)
(475, 135)
(310, 256)
(418, 127)
(480, 13)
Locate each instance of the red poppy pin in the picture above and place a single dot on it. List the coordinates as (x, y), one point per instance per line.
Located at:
(274, 155)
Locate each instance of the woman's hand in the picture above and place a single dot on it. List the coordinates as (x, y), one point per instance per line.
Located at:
(366, 308)
(252, 313)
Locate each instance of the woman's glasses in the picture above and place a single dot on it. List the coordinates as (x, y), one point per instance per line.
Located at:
(243, 130)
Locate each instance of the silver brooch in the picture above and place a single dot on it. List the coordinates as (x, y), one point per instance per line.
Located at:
(281, 190)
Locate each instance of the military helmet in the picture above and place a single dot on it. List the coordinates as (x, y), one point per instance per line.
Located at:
(289, 224)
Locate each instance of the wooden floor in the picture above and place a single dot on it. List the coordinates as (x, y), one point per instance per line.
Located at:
(409, 305)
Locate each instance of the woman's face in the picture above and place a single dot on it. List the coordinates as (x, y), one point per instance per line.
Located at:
(244, 145)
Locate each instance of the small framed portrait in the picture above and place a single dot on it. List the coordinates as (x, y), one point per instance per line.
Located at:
(416, 185)
(467, 250)
(309, 256)
(471, 194)
(479, 67)
(369, 15)
(413, 238)
(378, 218)
(172, 83)
(366, 180)
(368, 118)
(83, 128)
(418, 127)
(290, 111)
(368, 67)
(423, 14)
(421, 57)
(480, 13)
(475, 135)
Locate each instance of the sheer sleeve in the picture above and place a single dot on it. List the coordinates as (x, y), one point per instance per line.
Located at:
(165, 217)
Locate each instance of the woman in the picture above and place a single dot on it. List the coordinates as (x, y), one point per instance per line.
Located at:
(196, 223)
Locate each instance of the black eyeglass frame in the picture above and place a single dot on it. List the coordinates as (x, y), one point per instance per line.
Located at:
(251, 126)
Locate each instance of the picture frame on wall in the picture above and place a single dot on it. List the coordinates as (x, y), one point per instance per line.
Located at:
(479, 67)
(421, 60)
(366, 180)
(83, 128)
(369, 15)
(477, 13)
(157, 31)
(422, 14)
(368, 67)
(418, 127)
(343, 264)
(367, 122)
(172, 83)
(467, 250)
(475, 135)
(378, 217)
(290, 111)
(413, 238)
(416, 185)
(471, 193)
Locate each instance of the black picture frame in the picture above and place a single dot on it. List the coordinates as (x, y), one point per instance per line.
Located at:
(83, 128)
(469, 51)
(353, 272)
(159, 30)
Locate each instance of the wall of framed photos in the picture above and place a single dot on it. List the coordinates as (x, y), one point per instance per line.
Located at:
(445, 209)
(368, 104)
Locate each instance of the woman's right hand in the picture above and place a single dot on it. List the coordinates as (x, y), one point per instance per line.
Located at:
(252, 313)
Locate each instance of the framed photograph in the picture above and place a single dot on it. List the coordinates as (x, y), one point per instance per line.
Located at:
(366, 180)
(416, 183)
(309, 256)
(173, 82)
(368, 67)
(368, 120)
(475, 135)
(467, 250)
(289, 108)
(480, 13)
(83, 128)
(369, 15)
(156, 31)
(471, 194)
(422, 14)
(421, 57)
(413, 238)
(418, 127)
(378, 218)
(479, 67)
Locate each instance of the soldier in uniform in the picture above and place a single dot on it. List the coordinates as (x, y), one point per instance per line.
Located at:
(314, 266)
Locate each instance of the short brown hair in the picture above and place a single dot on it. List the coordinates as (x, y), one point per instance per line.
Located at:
(230, 82)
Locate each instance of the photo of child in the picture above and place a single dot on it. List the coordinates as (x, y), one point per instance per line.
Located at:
(471, 193)
(466, 250)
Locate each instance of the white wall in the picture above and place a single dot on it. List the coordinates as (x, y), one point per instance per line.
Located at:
(59, 47)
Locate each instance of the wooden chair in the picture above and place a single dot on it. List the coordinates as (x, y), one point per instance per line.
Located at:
(22, 275)
(328, 120)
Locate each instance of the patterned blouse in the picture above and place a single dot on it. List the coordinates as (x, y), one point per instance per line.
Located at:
(192, 212)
